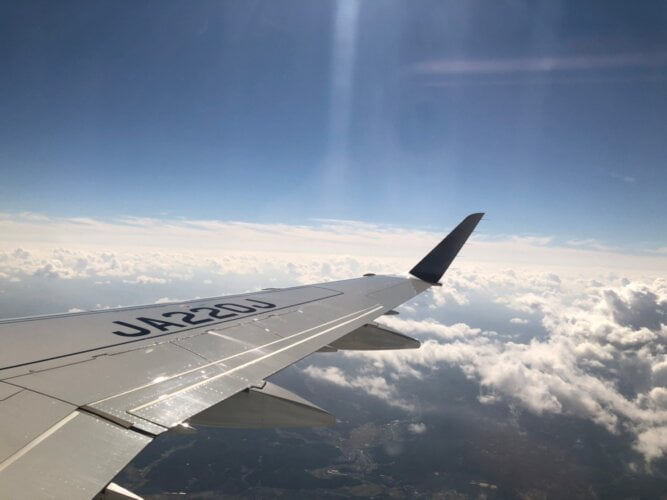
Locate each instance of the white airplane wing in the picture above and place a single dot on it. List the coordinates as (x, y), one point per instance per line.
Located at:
(82, 394)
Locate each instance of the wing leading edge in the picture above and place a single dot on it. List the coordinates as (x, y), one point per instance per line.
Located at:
(195, 356)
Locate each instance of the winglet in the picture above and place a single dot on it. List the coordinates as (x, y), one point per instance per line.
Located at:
(433, 266)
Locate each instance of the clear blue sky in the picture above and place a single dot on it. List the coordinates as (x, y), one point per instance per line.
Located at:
(550, 116)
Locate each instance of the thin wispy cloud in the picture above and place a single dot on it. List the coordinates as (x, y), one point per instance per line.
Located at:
(500, 66)
(625, 178)
(591, 243)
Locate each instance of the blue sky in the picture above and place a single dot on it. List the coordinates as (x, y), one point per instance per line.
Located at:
(545, 115)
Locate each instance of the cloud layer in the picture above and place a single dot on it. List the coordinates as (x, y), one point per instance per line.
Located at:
(602, 356)
(147, 249)
(571, 328)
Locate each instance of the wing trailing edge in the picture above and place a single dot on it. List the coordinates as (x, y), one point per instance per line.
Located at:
(437, 261)
(267, 407)
(374, 337)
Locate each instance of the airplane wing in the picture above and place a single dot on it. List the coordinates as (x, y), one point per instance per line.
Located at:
(81, 394)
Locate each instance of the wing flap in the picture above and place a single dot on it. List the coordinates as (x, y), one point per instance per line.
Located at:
(262, 408)
(24, 415)
(107, 376)
(49, 449)
(241, 371)
(74, 458)
(172, 408)
(372, 337)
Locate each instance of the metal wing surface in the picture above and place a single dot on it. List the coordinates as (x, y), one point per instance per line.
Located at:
(81, 394)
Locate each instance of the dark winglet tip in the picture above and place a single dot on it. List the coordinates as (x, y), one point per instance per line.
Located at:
(433, 266)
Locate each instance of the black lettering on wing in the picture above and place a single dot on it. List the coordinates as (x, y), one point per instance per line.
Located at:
(261, 304)
(138, 330)
(236, 308)
(160, 324)
(187, 317)
(213, 313)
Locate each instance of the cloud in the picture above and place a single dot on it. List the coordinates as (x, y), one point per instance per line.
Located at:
(519, 321)
(417, 428)
(429, 326)
(639, 306)
(128, 248)
(533, 240)
(652, 442)
(166, 300)
(603, 358)
(591, 244)
(503, 66)
(372, 385)
(19, 253)
(625, 178)
(147, 280)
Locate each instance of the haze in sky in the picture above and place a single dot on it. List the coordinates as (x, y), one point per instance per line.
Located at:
(155, 151)
(547, 115)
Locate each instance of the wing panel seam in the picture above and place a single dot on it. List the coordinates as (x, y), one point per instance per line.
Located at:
(137, 308)
(159, 335)
(9, 461)
(262, 358)
(212, 363)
